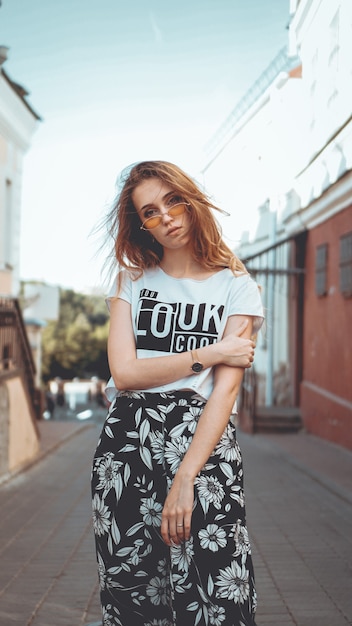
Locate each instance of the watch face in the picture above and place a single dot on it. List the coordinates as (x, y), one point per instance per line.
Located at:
(197, 367)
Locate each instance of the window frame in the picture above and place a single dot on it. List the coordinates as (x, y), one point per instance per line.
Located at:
(345, 264)
(321, 269)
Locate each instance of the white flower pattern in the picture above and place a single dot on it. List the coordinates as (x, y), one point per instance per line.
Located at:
(181, 555)
(216, 615)
(108, 470)
(101, 516)
(156, 590)
(233, 583)
(228, 447)
(212, 537)
(210, 489)
(175, 450)
(207, 580)
(191, 418)
(241, 539)
(151, 511)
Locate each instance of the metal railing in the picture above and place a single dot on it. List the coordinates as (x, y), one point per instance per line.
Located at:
(15, 352)
(248, 395)
(281, 63)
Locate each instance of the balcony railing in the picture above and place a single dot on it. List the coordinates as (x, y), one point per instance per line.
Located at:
(15, 352)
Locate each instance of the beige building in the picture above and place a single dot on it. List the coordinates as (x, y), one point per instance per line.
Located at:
(19, 398)
(17, 124)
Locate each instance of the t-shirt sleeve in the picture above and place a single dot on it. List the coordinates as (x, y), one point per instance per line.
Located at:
(123, 291)
(245, 300)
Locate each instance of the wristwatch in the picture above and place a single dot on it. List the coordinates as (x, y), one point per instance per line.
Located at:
(196, 366)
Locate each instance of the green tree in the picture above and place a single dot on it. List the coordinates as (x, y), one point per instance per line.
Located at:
(75, 344)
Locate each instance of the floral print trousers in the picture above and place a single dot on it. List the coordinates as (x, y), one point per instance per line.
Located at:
(207, 580)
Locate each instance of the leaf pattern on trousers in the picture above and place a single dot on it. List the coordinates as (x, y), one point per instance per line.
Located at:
(207, 580)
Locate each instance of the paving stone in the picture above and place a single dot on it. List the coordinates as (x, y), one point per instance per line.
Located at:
(299, 509)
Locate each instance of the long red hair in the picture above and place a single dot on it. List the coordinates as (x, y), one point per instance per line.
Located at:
(136, 249)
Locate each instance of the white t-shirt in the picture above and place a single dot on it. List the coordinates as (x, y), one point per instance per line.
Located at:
(172, 315)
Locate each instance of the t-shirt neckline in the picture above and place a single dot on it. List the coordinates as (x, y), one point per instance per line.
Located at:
(195, 280)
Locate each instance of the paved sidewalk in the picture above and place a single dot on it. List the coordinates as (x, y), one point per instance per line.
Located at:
(48, 572)
(299, 509)
(299, 505)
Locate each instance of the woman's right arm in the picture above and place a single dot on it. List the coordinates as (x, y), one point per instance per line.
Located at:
(131, 373)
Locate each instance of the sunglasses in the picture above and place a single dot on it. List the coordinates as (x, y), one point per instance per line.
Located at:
(155, 220)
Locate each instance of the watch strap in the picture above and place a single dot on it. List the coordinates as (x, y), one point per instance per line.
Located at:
(196, 366)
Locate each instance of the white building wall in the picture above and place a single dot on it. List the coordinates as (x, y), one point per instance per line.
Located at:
(258, 162)
(321, 33)
(17, 124)
(230, 178)
(249, 177)
(273, 150)
(291, 146)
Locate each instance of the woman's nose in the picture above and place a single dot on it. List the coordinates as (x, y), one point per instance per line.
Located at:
(165, 216)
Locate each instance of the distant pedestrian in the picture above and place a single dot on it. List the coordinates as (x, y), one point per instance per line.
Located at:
(99, 397)
(50, 403)
(167, 481)
(60, 394)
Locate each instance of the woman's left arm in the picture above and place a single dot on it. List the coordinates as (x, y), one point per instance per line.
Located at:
(212, 423)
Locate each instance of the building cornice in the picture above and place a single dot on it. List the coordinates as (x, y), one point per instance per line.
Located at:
(21, 93)
(333, 200)
(17, 121)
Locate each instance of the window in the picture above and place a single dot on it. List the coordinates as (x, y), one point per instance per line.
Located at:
(321, 266)
(346, 264)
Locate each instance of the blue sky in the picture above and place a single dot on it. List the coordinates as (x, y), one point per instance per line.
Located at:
(115, 82)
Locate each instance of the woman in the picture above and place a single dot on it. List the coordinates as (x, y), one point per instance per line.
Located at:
(168, 503)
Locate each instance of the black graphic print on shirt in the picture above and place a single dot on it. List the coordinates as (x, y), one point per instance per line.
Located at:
(175, 327)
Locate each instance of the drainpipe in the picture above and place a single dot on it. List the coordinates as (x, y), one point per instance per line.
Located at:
(269, 382)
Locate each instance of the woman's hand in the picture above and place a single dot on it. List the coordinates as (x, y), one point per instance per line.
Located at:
(237, 351)
(177, 511)
(129, 372)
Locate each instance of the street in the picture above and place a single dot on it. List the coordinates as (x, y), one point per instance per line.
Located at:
(299, 509)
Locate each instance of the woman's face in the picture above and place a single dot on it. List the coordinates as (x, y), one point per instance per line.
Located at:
(153, 198)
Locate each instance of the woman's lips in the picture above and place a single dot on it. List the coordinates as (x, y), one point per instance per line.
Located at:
(173, 231)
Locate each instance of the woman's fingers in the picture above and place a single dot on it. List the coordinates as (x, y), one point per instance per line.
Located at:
(177, 513)
(173, 529)
(237, 351)
(249, 362)
(171, 533)
(187, 526)
(164, 529)
(174, 534)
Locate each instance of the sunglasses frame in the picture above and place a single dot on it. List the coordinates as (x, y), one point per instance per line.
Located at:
(160, 216)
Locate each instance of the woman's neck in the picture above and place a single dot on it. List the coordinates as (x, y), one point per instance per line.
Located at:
(179, 264)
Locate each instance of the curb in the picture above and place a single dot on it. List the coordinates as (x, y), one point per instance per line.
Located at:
(42, 454)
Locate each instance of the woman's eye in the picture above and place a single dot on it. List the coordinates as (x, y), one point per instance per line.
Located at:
(151, 213)
(174, 200)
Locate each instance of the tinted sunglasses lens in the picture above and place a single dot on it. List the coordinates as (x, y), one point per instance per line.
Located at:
(152, 222)
(178, 209)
